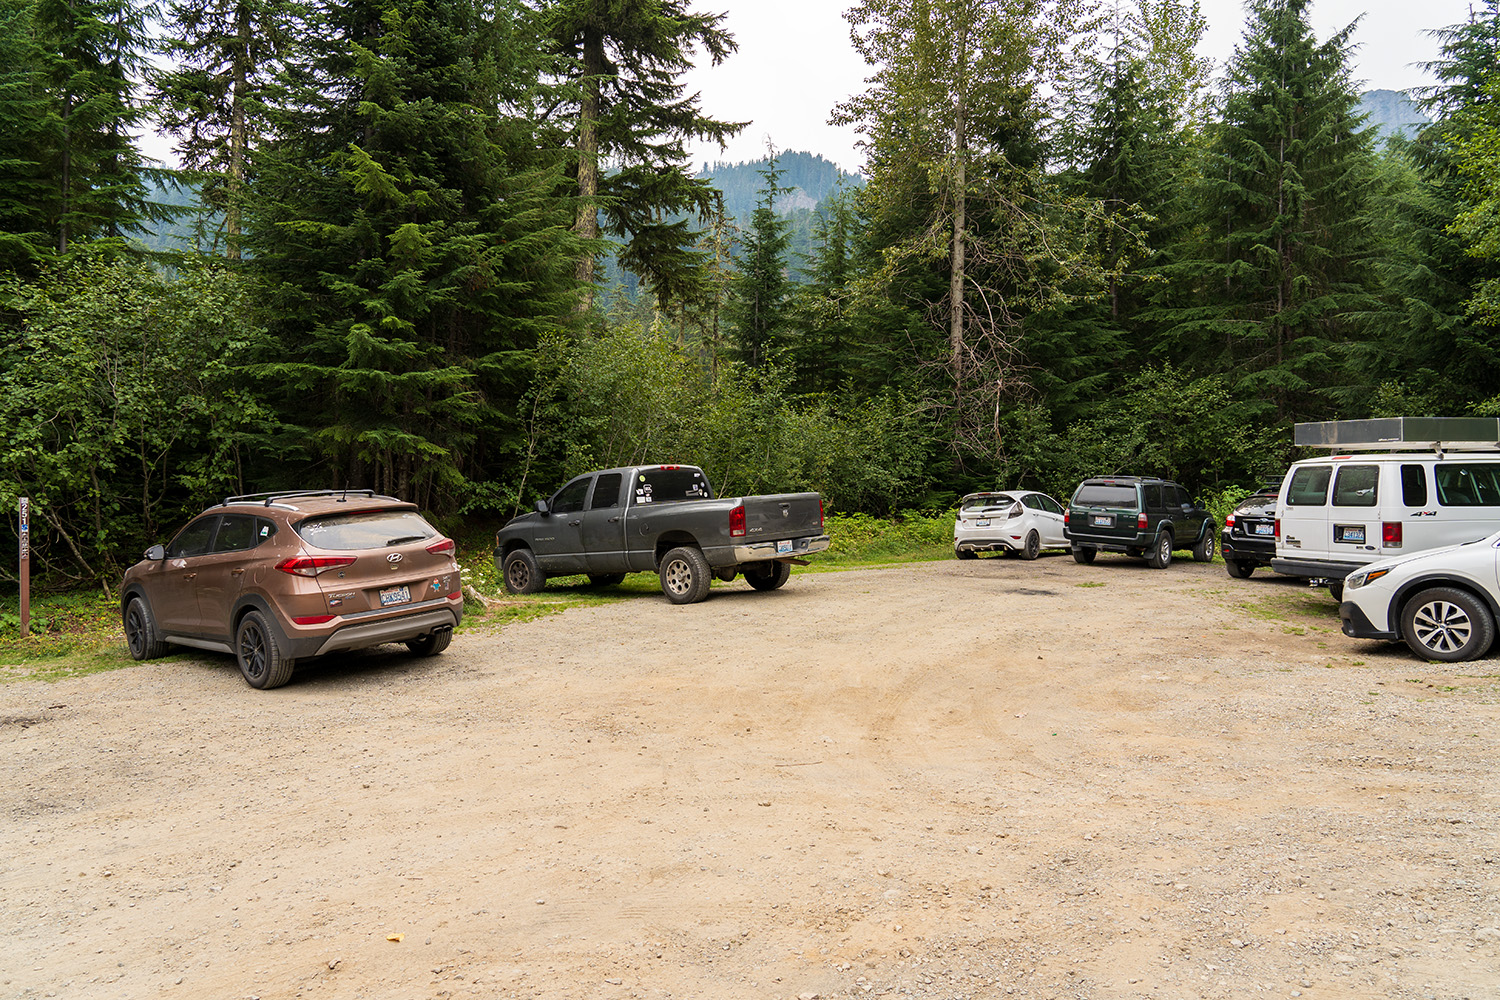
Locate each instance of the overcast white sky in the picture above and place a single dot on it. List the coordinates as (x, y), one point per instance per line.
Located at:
(795, 64)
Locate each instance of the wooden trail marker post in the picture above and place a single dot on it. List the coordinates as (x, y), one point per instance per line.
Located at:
(25, 534)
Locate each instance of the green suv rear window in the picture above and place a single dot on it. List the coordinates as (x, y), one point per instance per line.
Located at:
(371, 529)
(1105, 496)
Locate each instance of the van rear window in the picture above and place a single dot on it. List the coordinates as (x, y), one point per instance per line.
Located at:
(1309, 486)
(1462, 485)
(1357, 486)
(1094, 495)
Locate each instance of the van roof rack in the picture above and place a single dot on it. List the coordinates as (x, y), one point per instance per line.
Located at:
(1402, 434)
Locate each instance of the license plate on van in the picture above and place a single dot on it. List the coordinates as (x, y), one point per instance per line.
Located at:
(1349, 533)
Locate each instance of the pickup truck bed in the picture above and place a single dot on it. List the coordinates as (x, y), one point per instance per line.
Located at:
(662, 519)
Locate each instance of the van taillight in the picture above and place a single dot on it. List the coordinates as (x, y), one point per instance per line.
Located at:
(737, 522)
(1141, 522)
(1278, 527)
(1390, 534)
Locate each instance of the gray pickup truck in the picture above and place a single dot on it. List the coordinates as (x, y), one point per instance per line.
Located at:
(662, 519)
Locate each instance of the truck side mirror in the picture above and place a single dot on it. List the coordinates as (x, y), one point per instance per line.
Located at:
(155, 553)
(541, 508)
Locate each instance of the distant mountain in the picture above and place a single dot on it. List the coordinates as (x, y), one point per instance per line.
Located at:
(810, 177)
(1392, 112)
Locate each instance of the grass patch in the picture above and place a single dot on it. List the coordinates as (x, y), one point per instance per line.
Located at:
(860, 540)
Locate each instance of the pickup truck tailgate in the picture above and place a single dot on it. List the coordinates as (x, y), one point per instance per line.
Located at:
(784, 515)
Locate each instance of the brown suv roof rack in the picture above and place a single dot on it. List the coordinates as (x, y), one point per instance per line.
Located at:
(271, 497)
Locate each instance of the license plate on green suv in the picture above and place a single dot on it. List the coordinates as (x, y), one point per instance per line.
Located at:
(394, 595)
(1102, 520)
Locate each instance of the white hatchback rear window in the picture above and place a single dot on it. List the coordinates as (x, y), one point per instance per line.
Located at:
(370, 529)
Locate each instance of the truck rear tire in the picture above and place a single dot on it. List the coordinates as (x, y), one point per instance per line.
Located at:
(768, 575)
(685, 575)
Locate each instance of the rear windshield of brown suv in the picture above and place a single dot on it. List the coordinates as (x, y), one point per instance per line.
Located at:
(365, 530)
(1106, 496)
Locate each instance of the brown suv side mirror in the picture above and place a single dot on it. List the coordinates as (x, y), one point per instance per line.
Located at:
(155, 553)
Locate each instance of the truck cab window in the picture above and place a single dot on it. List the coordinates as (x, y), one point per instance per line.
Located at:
(607, 491)
(569, 499)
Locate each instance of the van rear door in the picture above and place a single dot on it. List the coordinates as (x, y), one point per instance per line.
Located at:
(1304, 513)
(1354, 522)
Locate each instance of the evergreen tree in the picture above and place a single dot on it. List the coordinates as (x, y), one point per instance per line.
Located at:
(413, 243)
(224, 55)
(618, 83)
(965, 232)
(1127, 135)
(758, 299)
(1283, 268)
(93, 52)
(24, 111)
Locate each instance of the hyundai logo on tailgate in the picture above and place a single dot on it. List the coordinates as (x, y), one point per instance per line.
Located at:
(393, 558)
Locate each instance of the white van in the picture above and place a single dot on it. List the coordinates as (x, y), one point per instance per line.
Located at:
(1376, 499)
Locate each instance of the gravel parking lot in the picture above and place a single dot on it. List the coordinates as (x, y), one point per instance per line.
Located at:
(956, 780)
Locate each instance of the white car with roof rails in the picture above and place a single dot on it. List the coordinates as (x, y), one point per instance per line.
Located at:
(1396, 486)
(1442, 603)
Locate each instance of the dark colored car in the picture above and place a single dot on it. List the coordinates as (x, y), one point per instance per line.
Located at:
(276, 577)
(1249, 536)
(1139, 516)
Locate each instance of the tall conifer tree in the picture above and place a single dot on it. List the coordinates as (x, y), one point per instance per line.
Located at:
(224, 54)
(413, 242)
(622, 106)
(1284, 268)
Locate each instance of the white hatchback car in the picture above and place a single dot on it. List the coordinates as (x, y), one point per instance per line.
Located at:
(1008, 522)
(1442, 602)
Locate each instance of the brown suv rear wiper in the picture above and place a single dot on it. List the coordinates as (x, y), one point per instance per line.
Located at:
(406, 538)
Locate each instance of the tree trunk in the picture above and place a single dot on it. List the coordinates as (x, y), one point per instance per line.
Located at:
(588, 161)
(237, 137)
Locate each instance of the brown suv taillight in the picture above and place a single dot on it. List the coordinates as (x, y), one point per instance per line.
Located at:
(442, 545)
(1390, 534)
(737, 522)
(313, 565)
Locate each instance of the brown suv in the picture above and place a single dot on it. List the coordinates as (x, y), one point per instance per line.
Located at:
(276, 577)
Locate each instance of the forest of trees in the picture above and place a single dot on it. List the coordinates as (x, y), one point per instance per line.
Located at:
(1078, 248)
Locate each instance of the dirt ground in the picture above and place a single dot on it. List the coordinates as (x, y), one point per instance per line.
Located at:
(945, 780)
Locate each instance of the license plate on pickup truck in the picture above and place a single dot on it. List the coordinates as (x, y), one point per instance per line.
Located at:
(394, 595)
(1102, 520)
(783, 546)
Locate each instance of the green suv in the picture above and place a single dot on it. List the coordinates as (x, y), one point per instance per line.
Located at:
(1138, 516)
